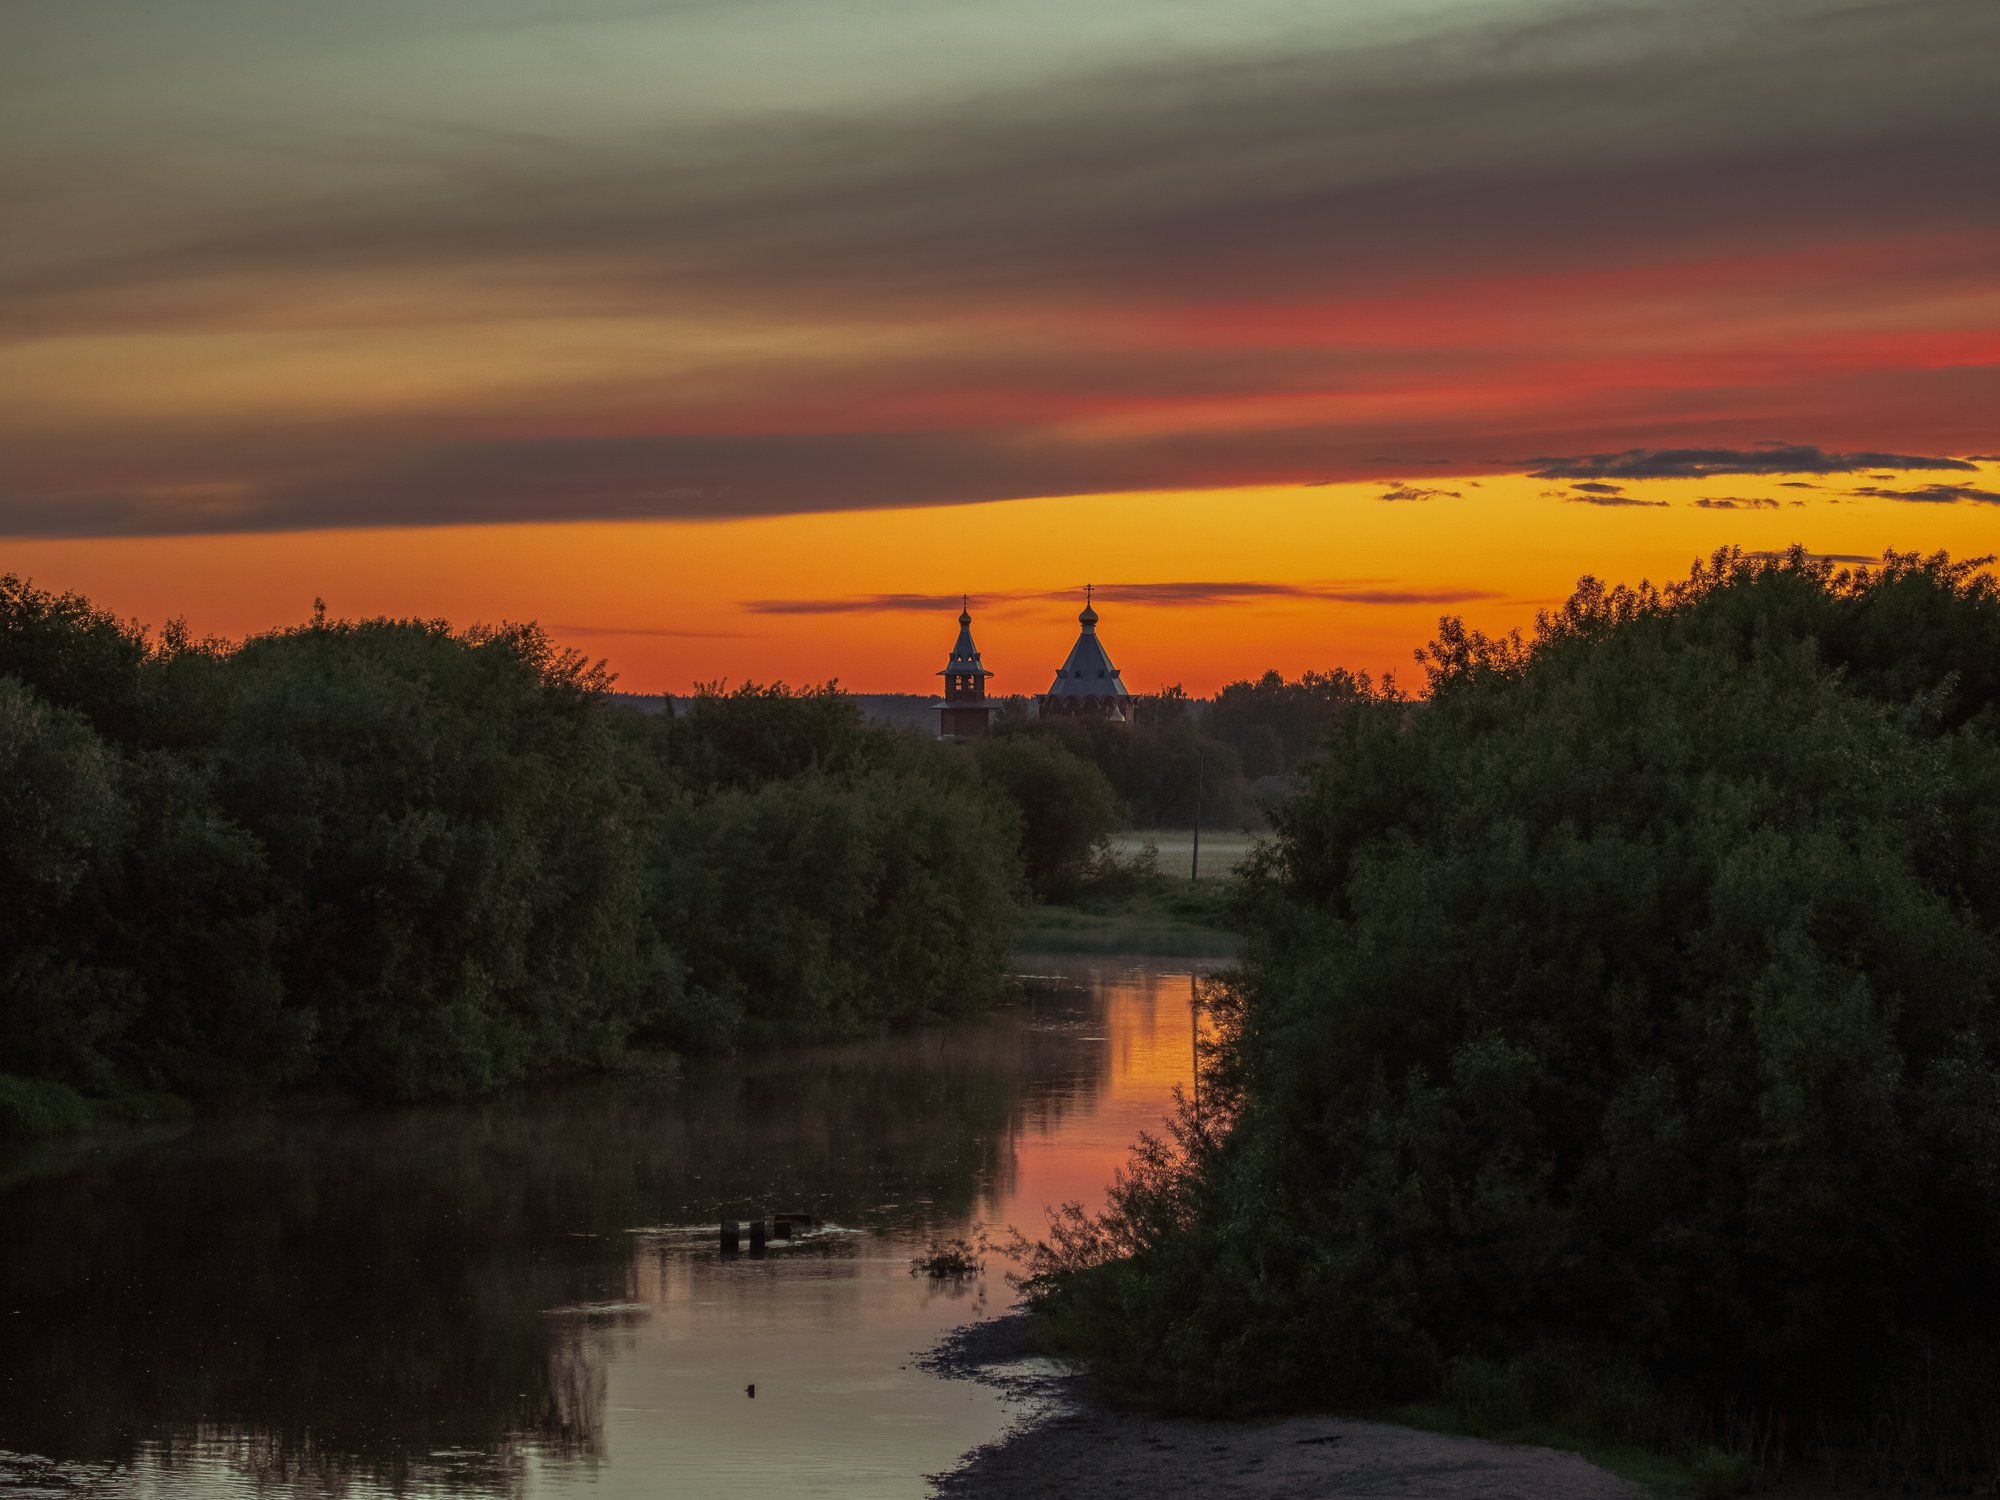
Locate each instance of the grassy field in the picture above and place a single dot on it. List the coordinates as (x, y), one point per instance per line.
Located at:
(1222, 849)
(1166, 915)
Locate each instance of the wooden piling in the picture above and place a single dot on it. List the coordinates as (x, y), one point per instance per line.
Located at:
(756, 1236)
(731, 1235)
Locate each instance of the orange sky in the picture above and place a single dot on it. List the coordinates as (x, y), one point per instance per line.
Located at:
(671, 603)
(710, 334)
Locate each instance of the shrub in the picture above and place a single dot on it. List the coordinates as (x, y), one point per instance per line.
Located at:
(1636, 994)
(1067, 808)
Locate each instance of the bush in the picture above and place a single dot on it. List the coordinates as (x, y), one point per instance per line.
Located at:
(1161, 766)
(828, 905)
(1635, 995)
(33, 1109)
(1068, 811)
(389, 858)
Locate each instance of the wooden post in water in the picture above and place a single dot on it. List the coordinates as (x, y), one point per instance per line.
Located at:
(781, 1227)
(731, 1236)
(756, 1237)
(1194, 1043)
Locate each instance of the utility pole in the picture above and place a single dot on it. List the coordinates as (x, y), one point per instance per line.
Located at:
(1194, 863)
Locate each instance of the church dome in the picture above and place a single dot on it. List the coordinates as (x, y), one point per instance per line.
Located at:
(1087, 672)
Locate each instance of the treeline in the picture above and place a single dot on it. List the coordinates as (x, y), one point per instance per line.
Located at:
(1180, 756)
(1618, 1045)
(389, 858)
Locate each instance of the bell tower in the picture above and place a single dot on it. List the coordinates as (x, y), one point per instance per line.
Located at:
(964, 713)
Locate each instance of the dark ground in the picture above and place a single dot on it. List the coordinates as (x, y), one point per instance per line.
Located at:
(1067, 1445)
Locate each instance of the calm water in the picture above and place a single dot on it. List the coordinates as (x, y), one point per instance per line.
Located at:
(527, 1298)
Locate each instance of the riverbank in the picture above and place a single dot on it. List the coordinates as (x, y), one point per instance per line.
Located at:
(1065, 1444)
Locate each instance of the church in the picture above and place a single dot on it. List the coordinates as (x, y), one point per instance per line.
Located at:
(1086, 686)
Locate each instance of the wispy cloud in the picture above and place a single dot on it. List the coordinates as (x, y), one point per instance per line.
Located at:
(1416, 492)
(636, 631)
(1737, 502)
(1933, 494)
(1183, 594)
(1704, 463)
(1832, 557)
(1594, 495)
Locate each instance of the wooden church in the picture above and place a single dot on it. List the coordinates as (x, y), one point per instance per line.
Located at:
(964, 712)
(1087, 685)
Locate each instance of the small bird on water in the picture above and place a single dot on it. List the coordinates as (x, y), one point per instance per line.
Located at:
(750, 1390)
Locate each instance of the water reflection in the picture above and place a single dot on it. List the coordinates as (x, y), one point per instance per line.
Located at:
(520, 1298)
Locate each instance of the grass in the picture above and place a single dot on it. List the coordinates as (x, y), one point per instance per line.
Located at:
(1223, 850)
(1128, 911)
(951, 1260)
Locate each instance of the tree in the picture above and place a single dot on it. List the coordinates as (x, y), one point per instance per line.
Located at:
(1638, 997)
(1067, 808)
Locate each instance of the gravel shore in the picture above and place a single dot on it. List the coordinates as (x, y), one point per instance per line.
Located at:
(1067, 1446)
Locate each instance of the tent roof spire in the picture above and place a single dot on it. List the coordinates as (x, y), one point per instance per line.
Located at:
(1088, 672)
(964, 660)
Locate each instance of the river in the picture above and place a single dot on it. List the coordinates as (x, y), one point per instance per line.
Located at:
(526, 1297)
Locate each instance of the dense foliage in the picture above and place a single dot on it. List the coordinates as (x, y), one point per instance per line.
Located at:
(1178, 759)
(391, 858)
(1161, 767)
(1639, 997)
(1068, 809)
(1276, 724)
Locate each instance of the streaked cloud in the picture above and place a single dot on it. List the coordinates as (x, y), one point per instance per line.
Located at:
(1933, 494)
(1737, 502)
(1614, 501)
(649, 632)
(1705, 463)
(1865, 558)
(1173, 594)
(442, 265)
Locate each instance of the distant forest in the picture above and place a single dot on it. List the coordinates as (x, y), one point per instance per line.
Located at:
(387, 858)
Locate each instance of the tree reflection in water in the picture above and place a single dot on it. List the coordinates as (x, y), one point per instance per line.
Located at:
(431, 1298)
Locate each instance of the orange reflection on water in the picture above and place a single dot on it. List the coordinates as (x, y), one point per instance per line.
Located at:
(1141, 1027)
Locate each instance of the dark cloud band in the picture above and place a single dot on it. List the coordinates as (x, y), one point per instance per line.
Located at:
(1705, 463)
(1933, 494)
(1176, 594)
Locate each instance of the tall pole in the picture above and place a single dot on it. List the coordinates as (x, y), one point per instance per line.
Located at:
(1194, 862)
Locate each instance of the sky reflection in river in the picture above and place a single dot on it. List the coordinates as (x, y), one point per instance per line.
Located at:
(526, 1297)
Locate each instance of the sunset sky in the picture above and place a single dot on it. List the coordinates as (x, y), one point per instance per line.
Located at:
(739, 337)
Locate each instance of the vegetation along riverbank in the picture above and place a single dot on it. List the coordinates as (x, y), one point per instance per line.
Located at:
(390, 859)
(387, 859)
(1615, 1050)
